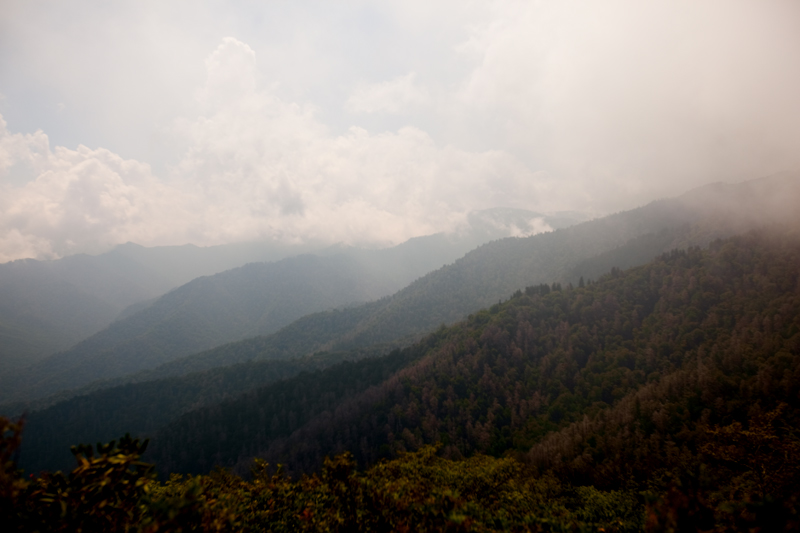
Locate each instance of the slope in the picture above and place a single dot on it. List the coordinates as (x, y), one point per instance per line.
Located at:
(144, 407)
(496, 269)
(244, 302)
(257, 298)
(717, 331)
(313, 332)
(48, 306)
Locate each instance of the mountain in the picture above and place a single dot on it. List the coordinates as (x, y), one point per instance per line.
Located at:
(629, 370)
(177, 265)
(143, 408)
(663, 397)
(255, 299)
(497, 269)
(331, 330)
(48, 306)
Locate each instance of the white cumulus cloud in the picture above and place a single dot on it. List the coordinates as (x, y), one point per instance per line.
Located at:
(270, 168)
(60, 201)
(255, 166)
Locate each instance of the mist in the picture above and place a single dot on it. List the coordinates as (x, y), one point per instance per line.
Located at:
(369, 124)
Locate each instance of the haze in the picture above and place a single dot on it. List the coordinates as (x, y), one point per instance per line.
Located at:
(370, 123)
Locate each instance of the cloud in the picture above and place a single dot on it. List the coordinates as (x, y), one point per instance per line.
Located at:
(270, 168)
(625, 100)
(57, 202)
(392, 96)
(276, 133)
(255, 166)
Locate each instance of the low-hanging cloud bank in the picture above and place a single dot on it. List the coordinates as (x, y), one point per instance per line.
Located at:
(622, 99)
(256, 167)
(554, 105)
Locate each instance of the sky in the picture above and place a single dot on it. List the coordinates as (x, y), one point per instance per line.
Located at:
(368, 123)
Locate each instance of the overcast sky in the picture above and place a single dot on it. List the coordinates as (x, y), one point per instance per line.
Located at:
(169, 122)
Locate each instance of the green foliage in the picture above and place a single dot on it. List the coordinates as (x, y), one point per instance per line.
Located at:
(102, 492)
(11, 483)
(419, 491)
(618, 507)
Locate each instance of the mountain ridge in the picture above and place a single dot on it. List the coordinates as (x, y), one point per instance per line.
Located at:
(569, 353)
(257, 298)
(496, 269)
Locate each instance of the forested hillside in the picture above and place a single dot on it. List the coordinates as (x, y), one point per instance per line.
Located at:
(663, 396)
(636, 370)
(257, 298)
(145, 407)
(495, 270)
(333, 330)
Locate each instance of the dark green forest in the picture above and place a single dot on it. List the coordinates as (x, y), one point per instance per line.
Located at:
(144, 408)
(663, 397)
(179, 321)
(151, 400)
(654, 343)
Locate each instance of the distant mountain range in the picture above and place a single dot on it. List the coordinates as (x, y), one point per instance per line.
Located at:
(495, 270)
(480, 279)
(52, 305)
(48, 306)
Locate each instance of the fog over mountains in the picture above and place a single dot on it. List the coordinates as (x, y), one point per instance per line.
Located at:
(47, 306)
(158, 343)
(400, 266)
(52, 305)
(375, 123)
